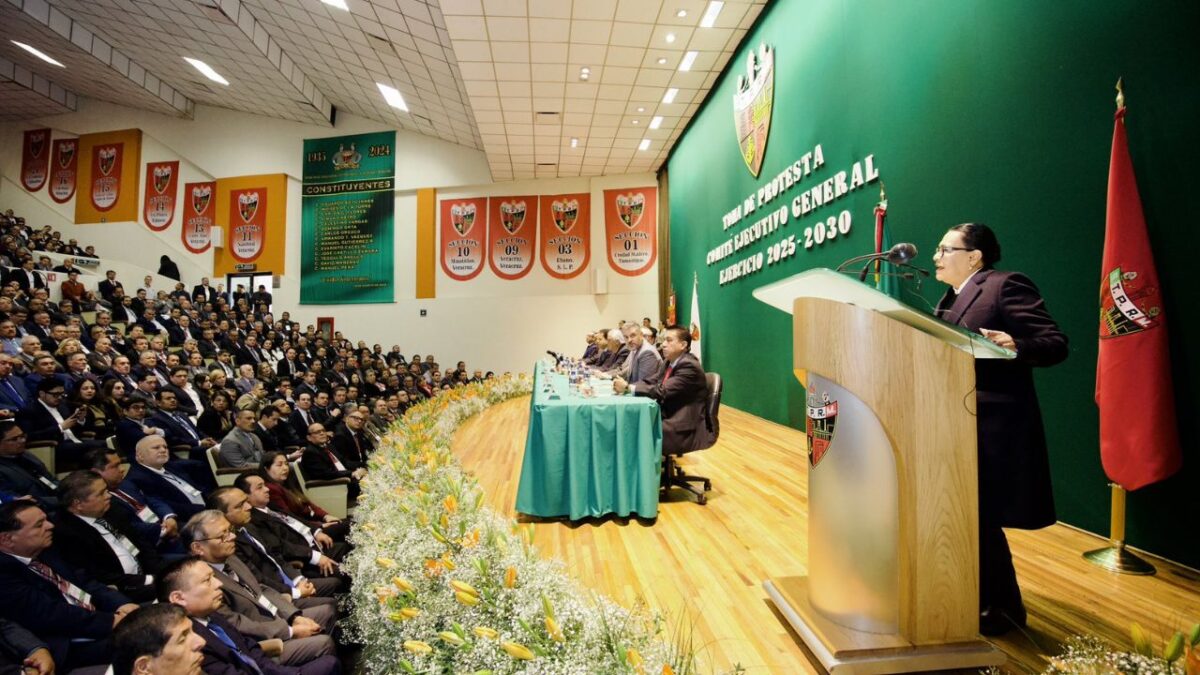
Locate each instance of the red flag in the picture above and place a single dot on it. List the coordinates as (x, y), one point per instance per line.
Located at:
(1139, 440)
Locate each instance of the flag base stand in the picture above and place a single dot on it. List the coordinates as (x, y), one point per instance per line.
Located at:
(1116, 558)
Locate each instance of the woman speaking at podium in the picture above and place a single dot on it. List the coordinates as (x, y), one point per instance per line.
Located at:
(1014, 466)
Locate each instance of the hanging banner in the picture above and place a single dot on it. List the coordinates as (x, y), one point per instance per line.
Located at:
(35, 159)
(348, 220)
(252, 214)
(66, 164)
(109, 173)
(198, 216)
(631, 229)
(162, 183)
(565, 234)
(512, 229)
(248, 223)
(464, 228)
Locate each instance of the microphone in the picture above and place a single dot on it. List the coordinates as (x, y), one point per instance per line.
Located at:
(898, 255)
(557, 357)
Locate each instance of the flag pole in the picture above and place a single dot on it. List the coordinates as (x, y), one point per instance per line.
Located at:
(1115, 557)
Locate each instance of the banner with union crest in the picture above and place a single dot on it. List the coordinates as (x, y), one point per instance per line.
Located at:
(35, 159)
(565, 234)
(631, 229)
(64, 169)
(198, 208)
(463, 233)
(162, 182)
(347, 220)
(252, 212)
(108, 177)
(512, 231)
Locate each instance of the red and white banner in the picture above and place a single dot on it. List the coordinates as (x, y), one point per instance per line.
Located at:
(199, 207)
(565, 234)
(162, 183)
(65, 169)
(248, 223)
(106, 175)
(464, 229)
(512, 232)
(35, 159)
(631, 229)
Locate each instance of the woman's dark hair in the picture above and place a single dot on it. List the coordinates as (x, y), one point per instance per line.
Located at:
(979, 237)
(291, 485)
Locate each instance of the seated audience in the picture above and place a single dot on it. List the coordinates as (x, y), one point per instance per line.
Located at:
(157, 640)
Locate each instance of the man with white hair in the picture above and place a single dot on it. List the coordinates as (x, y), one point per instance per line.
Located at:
(616, 352)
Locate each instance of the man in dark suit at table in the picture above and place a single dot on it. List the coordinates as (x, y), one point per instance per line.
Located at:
(73, 615)
(681, 393)
(644, 362)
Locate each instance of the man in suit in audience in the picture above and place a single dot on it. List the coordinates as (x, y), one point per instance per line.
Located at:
(94, 537)
(241, 448)
(178, 429)
(151, 518)
(109, 284)
(73, 615)
(321, 462)
(257, 611)
(264, 429)
(350, 441)
(20, 472)
(288, 366)
(157, 640)
(266, 564)
(27, 277)
(149, 474)
(43, 421)
(302, 418)
(311, 548)
(681, 392)
(192, 584)
(203, 293)
(13, 394)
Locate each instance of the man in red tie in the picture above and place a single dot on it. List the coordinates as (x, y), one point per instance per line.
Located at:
(681, 393)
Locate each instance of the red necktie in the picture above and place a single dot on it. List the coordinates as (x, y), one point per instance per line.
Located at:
(43, 570)
(668, 373)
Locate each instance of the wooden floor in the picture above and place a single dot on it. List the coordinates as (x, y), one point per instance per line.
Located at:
(707, 563)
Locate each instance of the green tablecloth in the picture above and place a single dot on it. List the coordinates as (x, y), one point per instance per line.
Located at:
(589, 456)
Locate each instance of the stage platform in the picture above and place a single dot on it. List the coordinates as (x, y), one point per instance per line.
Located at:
(709, 562)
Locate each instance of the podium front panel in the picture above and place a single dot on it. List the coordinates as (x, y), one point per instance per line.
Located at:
(853, 518)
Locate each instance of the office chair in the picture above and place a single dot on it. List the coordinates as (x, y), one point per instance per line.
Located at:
(673, 475)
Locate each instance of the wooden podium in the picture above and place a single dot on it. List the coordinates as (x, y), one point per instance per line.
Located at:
(893, 541)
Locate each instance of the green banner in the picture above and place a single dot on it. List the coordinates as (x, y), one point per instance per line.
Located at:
(348, 220)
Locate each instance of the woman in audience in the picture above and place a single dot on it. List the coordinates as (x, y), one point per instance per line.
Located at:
(217, 418)
(112, 394)
(66, 348)
(98, 423)
(287, 497)
(203, 387)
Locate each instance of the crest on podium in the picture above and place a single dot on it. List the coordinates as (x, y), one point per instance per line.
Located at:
(820, 422)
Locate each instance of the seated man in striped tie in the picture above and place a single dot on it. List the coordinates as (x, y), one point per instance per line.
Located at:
(191, 584)
(72, 615)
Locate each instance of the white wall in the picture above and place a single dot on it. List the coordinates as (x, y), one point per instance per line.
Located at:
(491, 324)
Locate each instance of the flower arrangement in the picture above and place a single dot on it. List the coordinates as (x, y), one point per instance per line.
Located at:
(1089, 655)
(443, 584)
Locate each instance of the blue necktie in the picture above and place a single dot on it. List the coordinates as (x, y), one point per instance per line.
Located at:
(263, 549)
(224, 637)
(20, 400)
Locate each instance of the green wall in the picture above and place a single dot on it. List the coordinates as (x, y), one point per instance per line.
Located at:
(997, 111)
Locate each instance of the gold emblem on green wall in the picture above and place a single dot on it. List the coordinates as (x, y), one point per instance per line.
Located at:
(752, 106)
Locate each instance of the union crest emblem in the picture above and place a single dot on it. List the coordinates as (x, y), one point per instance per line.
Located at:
(755, 92)
(820, 421)
(346, 159)
(66, 153)
(37, 143)
(1128, 304)
(201, 195)
(462, 218)
(108, 158)
(162, 177)
(248, 205)
(512, 215)
(630, 208)
(565, 214)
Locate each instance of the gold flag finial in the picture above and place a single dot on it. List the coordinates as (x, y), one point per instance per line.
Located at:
(1120, 93)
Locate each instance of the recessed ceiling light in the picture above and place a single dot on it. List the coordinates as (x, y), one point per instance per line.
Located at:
(710, 15)
(670, 37)
(637, 122)
(681, 13)
(585, 69)
(37, 53)
(392, 96)
(340, 4)
(669, 97)
(641, 108)
(644, 145)
(662, 60)
(656, 122)
(206, 70)
(574, 142)
(688, 59)
(583, 76)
